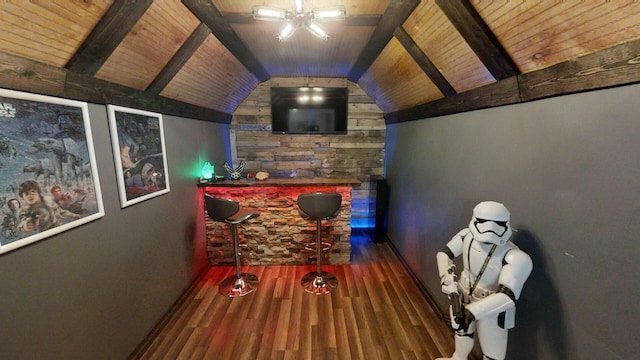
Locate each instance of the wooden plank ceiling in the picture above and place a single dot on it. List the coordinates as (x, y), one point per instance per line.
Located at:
(415, 59)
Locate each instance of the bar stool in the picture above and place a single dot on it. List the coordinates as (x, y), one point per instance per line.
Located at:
(319, 206)
(228, 211)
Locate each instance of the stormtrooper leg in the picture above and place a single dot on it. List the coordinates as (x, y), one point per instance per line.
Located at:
(464, 345)
(492, 338)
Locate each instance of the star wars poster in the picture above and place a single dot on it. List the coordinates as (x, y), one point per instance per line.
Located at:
(138, 147)
(48, 176)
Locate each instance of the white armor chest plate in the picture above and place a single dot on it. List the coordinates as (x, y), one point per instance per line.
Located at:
(474, 255)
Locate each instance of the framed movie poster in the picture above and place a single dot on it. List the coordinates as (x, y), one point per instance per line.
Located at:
(138, 148)
(48, 175)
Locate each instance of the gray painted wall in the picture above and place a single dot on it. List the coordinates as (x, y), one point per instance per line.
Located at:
(95, 291)
(568, 168)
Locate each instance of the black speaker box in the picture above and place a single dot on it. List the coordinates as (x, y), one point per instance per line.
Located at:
(382, 200)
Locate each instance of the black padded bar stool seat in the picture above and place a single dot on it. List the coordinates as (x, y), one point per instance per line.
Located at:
(228, 211)
(319, 206)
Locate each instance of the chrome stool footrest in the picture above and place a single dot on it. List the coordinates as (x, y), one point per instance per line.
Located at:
(326, 246)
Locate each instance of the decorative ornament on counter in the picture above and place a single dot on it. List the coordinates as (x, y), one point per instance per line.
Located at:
(207, 173)
(261, 175)
(235, 173)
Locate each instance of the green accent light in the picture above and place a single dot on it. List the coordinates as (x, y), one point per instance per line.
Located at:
(207, 171)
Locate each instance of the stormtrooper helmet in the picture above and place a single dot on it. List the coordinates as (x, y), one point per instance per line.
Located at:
(490, 223)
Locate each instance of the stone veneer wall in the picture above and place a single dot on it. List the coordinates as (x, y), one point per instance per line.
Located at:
(358, 154)
(279, 235)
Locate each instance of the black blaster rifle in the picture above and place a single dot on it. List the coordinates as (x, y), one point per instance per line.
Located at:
(454, 299)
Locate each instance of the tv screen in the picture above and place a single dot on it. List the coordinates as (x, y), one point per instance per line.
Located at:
(309, 110)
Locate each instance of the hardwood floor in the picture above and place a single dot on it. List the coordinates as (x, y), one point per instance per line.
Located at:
(377, 312)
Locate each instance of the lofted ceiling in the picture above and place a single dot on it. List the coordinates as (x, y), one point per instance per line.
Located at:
(415, 59)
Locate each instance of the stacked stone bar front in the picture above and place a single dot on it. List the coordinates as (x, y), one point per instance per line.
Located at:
(279, 236)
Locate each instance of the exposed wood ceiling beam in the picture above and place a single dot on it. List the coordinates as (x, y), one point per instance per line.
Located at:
(27, 75)
(503, 92)
(395, 15)
(88, 88)
(423, 61)
(197, 37)
(211, 16)
(480, 38)
(619, 65)
(363, 20)
(18, 73)
(107, 35)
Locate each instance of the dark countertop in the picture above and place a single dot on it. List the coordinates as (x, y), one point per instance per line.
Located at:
(283, 182)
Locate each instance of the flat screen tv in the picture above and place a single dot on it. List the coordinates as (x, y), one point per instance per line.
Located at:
(309, 110)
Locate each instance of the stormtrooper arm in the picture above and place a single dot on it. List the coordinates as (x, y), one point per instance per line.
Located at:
(452, 250)
(517, 268)
(444, 262)
(490, 306)
(513, 275)
(445, 258)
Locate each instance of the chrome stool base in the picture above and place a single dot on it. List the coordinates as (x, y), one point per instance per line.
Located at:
(235, 287)
(319, 284)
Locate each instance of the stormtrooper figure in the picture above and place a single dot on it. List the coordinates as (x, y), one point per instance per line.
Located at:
(495, 270)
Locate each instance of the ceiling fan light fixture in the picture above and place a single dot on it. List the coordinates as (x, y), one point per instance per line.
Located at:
(287, 30)
(268, 13)
(334, 13)
(316, 29)
(298, 17)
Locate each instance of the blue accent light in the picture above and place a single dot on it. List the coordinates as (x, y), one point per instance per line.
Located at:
(365, 223)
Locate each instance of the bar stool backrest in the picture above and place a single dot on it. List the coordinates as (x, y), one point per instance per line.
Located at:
(220, 209)
(319, 205)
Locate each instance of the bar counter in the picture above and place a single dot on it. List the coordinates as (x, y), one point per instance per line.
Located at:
(283, 182)
(279, 236)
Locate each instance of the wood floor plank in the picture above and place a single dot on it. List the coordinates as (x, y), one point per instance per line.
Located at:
(341, 331)
(376, 313)
(353, 334)
(293, 330)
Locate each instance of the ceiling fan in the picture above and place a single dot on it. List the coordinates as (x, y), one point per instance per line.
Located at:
(293, 19)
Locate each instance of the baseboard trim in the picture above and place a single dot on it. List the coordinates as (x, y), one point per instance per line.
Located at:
(423, 289)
